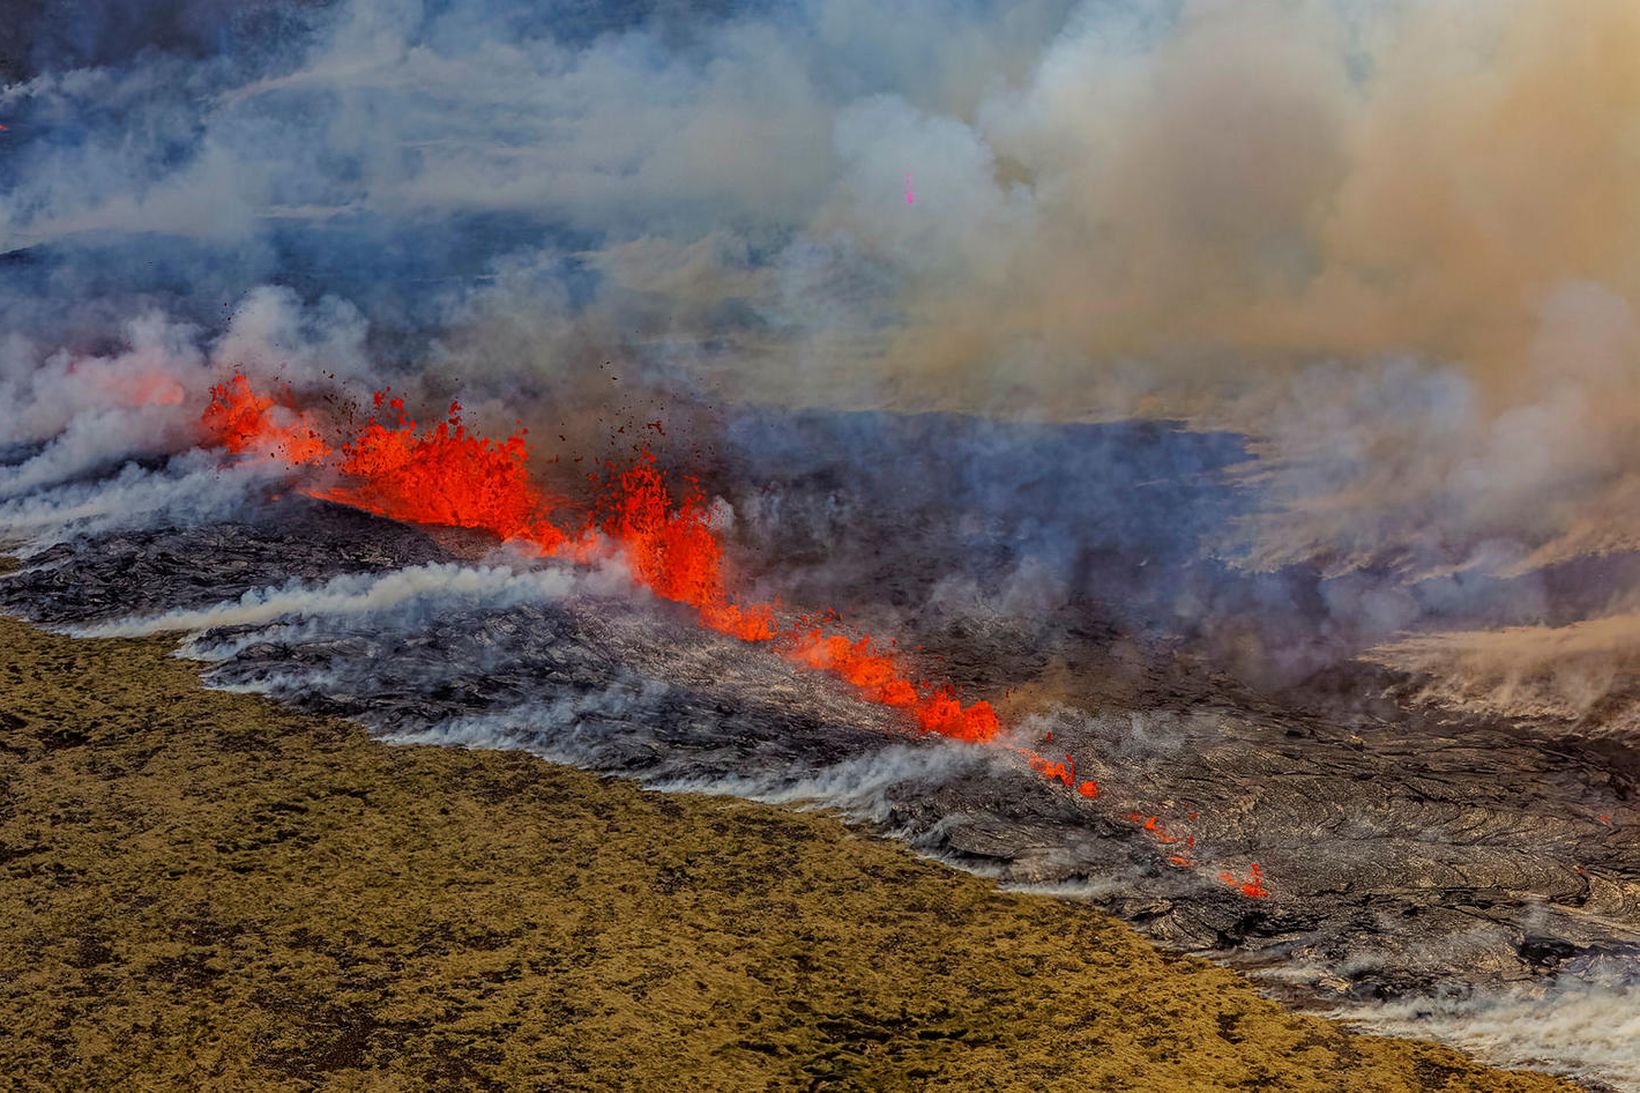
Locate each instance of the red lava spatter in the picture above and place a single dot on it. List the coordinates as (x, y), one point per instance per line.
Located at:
(242, 421)
(448, 476)
(444, 476)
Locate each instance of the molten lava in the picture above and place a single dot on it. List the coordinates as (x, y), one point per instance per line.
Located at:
(242, 420)
(444, 476)
(881, 680)
(672, 547)
(1252, 887)
(447, 476)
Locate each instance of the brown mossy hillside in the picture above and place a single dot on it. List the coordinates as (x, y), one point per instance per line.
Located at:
(203, 889)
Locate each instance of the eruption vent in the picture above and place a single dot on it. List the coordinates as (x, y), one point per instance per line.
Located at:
(450, 477)
(447, 476)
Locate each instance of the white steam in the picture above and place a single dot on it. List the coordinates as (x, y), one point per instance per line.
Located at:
(192, 487)
(415, 587)
(1588, 1031)
(569, 728)
(859, 787)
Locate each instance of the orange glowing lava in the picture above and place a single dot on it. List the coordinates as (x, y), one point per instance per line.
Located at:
(444, 476)
(674, 551)
(1252, 887)
(241, 420)
(1056, 771)
(880, 679)
(672, 548)
(448, 476)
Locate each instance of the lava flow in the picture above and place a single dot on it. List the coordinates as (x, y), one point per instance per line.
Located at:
(242, 420)
(880, 680)
(448, 476)
(672, 548)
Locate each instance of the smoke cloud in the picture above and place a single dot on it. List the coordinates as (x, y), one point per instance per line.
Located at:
(367, 594)
(1122, 207)
(1182, 209)
(1387, 243)
(1584, 672)
(1588, 1029)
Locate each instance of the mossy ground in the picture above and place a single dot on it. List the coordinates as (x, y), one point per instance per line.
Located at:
(203, 889)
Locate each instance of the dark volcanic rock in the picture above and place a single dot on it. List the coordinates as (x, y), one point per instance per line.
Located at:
(149, 572)
(1402, 849)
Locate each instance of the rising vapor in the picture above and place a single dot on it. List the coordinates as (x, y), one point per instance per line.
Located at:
(1296, 339)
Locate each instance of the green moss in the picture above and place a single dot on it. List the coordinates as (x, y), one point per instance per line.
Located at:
(204, 889)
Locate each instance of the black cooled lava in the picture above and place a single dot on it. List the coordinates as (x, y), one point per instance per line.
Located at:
(1405, 850)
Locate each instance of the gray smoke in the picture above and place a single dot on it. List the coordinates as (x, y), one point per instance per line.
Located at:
(1418, 319)
(1288, 329)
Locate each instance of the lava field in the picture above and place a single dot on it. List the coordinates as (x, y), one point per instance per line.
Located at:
(1343, 841)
